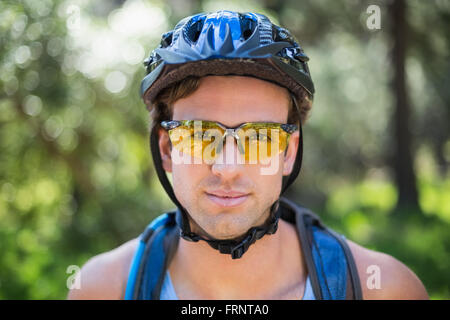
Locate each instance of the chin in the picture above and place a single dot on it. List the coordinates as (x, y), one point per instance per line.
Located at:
(228, 226)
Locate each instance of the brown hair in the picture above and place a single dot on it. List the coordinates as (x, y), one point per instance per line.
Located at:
(162, 108)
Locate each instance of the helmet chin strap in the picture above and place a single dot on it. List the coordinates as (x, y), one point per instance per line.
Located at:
(238, 246)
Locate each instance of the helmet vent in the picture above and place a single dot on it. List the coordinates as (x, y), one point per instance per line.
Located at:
(193, 30)
(247, 27)
(246, 34)
(196, 35)
(166, 39)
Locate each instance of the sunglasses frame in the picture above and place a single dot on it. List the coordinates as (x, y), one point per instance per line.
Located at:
(172, 124)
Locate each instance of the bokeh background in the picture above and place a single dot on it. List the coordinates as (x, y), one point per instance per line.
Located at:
(76, 176)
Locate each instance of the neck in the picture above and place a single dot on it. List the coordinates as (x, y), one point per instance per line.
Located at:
(270, 264)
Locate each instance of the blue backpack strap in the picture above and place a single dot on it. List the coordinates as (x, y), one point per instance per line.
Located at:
(353, 282)
(330, 263)
(134, 270)
(156, 246)
(328, 259)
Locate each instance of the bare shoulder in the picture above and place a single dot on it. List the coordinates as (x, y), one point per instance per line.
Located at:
(395, 280)
(104, 276)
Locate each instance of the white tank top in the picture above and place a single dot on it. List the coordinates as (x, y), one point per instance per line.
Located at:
(168, 292)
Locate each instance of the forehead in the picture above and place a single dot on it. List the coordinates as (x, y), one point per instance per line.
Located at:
(232, 100)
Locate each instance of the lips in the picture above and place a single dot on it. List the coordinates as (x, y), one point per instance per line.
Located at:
(227, 198)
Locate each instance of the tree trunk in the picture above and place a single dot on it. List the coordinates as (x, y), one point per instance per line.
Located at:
(403, 156)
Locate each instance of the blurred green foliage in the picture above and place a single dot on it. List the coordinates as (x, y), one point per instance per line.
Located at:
(76, 177)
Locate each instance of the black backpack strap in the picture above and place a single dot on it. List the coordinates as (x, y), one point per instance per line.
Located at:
(306, 244)
(170, 246)
(327, 256)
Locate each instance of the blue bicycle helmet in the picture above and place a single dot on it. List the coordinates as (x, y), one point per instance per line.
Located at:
(227, 43)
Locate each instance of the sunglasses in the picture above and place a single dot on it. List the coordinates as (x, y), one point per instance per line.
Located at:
(256, 141)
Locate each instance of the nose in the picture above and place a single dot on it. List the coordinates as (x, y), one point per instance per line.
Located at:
(229, 163)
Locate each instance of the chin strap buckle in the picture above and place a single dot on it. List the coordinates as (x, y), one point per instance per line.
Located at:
(242, 247)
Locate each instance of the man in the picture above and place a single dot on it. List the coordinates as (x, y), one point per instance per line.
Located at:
(217, 86)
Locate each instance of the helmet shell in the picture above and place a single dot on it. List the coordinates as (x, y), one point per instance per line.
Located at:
(227, 43)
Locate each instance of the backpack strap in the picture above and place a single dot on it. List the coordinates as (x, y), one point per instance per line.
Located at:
(159, 241)
(328, 259)
(355, 288)
(331, 265)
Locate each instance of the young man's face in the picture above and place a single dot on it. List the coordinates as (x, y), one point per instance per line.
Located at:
(230, 100)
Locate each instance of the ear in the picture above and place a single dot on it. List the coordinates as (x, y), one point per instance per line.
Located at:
(165, 149)
(291, 153)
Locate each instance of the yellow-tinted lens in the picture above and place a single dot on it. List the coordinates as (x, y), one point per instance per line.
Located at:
(197, 138)
(262, 141)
